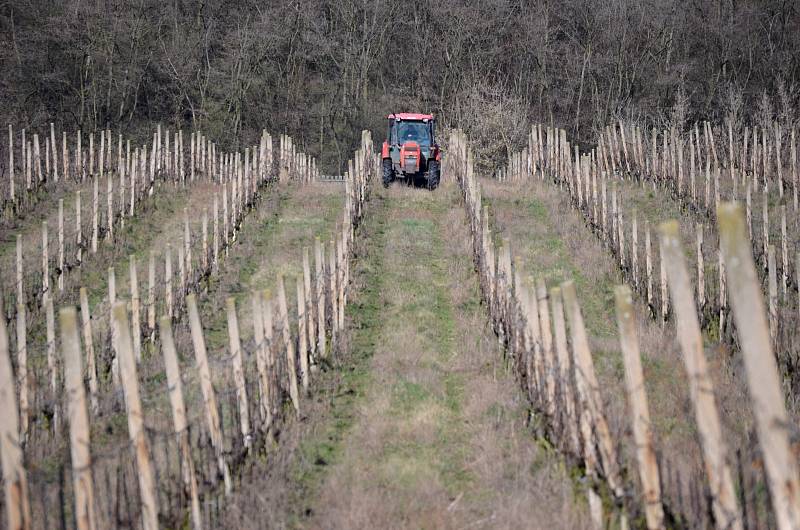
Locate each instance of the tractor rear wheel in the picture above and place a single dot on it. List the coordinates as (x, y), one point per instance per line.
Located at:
(388, 172)
(433, 174)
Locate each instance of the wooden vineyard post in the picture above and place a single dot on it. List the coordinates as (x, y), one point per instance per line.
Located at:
(319, 277)
(288, 344)
(112, 299)
(52, 365)
(784, 256)
(204, 260)
(268, 310)
(772, 290)
(564, 370)
(61, 271)
(701, 283)
(341, 280)
(109, 207)
(763, 379)
(547, 347)
(302, 335)
(261, 358)
(15, 481)
(179, 415)
(333, 290)
(88, 341)
(238, 370)
(95, 198)
(22, 368)
(215, 235)
(20, 284)
(136, 325)
(168, 280)
(584, 372)
(726, 512)
(187, 243)
(535, 367)
(151, 294)
(309, 296)
(639, 411)
(83, 484)
(45, 259)
(207, 387)
(11, 183)
(136, 428)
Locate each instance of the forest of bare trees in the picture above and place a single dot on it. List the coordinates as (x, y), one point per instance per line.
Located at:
(321, 70)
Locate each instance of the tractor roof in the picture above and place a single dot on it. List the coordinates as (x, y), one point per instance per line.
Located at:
(409, 116)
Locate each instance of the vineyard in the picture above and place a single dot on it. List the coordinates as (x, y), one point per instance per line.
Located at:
(584, 338)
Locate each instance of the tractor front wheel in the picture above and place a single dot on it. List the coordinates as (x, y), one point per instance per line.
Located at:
(433, 174)
(388, 172)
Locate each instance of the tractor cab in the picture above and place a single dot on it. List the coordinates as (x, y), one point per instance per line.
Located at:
(410, 151)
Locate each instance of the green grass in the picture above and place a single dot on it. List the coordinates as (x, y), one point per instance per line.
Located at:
(545, 255)
(324, 448)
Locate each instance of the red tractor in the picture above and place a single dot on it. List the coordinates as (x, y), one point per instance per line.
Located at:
(410, 151)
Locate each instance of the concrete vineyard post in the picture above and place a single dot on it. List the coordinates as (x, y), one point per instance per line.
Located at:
(15, 481)
(726, 512)
(179, 415)
(584, 372)
(762, 372)
(83, 485)
(88, 341)
(136, 427)
(207, 388)
(639, 411)
(238, 370)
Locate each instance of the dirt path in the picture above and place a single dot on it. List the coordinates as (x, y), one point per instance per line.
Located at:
(440, 437)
